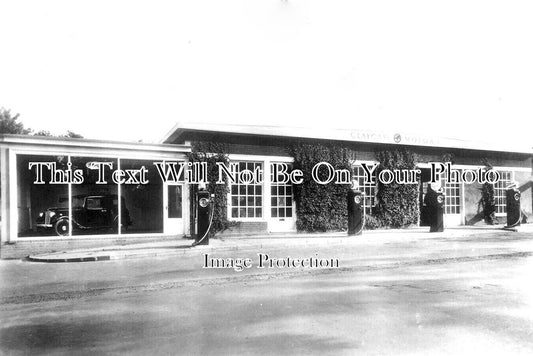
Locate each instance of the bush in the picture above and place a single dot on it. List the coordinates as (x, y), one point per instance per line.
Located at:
(397, 204)
(372, 223)
(320, 207)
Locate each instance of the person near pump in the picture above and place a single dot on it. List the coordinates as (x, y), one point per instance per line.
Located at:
(355, 209)
(512, 195)
(434, 200)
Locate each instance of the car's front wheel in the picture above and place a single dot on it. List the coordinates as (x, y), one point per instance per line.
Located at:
(61, 227)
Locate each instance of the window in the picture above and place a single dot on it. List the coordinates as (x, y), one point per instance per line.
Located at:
(453, 202)
(44, 208)
(94, 203)
(280, 199)
(369, 189)
(247, 199)
(499, 191)
(452, 191)
(174, 201)
(144, 202)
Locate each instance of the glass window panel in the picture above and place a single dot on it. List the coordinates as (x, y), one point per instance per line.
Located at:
(249, 197)
(40, 207)
(369, 189)
(142, 204)
(98, 212)
(174, 201)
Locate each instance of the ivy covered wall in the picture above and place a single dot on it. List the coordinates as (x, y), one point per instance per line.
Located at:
(211, 153)
(320, 207)
(397, 204)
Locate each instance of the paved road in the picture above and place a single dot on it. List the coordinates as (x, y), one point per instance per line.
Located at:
(427, 294)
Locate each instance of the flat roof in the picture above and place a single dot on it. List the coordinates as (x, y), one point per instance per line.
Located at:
(351, 135)
(91, 143)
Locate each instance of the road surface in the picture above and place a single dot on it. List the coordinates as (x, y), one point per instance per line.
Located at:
(432, 294)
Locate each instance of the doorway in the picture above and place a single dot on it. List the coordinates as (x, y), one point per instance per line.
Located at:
(173, 206)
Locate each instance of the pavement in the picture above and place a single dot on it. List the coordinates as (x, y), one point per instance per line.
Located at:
(184, 246)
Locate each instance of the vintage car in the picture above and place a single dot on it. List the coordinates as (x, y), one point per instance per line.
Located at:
(91, 212)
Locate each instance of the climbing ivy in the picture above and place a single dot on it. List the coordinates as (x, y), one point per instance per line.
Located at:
(320, 207)
(488, 202)
(397, 204)
(211, 153)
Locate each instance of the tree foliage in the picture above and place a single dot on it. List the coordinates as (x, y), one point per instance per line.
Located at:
(9, 124)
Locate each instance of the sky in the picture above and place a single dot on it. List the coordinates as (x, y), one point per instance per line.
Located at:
(130, 70)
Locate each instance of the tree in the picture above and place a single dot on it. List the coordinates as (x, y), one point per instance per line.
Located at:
(10, 125)
(71, 134)
(44, 133)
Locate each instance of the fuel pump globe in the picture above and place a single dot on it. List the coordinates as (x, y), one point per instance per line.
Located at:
(204, 202)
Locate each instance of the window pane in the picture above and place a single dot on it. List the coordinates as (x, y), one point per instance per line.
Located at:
(41, 206)
(249, 197)
(142, 205)
(98, 195)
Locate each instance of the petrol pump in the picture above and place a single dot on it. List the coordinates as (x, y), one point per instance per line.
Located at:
(434, 200)
(513, 205)
(204, 216)
(356, 210)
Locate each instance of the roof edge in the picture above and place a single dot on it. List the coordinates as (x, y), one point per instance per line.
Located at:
(350, 135)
